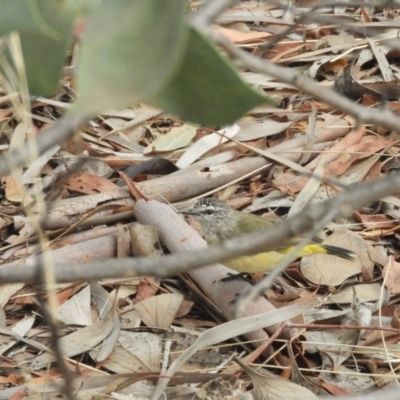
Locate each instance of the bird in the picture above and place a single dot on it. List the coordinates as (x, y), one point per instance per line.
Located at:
(219, 222)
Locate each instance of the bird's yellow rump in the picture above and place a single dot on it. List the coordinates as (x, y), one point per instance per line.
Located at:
(220, 222)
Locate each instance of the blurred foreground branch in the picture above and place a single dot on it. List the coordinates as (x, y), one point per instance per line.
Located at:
(358, 196)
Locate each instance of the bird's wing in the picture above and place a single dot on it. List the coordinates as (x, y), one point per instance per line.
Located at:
(262, 262)
(252, 223)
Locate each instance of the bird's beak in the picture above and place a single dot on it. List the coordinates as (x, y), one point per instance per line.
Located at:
(188, 212)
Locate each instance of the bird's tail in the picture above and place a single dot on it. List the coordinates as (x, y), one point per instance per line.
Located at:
(316, 248)
(339, 251)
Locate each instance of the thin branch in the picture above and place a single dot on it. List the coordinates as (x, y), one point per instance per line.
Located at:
(358, 196)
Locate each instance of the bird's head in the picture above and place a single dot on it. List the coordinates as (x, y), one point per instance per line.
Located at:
(213, 215)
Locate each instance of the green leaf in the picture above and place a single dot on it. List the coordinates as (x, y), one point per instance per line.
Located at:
(207, 88)
(130, 50)
(45, 28)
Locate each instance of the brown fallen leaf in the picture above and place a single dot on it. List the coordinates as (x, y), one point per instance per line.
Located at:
(159, 311)
(392, 274)
(88, 184)
(275, 388)
(289, 182)
(80, 341)
(135, 352)
(243, 37)
(322, 269)
(14, 190)
(374, 221)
